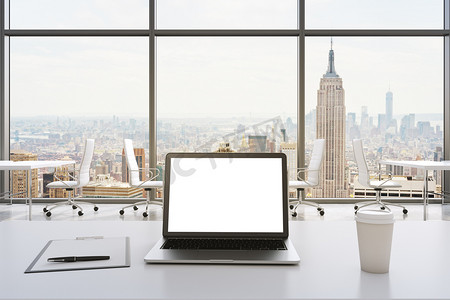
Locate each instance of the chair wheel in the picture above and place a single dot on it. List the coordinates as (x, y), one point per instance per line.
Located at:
(322, 212)
(383, 208)
(405, 211)
(44, 209)
(80, 213)
(121, 212)
(319, 208)
(294, 214)
(95, 208)
(145, 214)
(291, 206)
(74, 206)
(48, 214)
(135, 207)
(356, 207)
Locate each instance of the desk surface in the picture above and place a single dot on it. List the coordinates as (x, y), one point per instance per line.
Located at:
(329, 267)
(420, 164)
(33, 164)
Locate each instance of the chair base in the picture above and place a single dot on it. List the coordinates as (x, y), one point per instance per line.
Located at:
(383, 205)
(47, 210)
(147, 203)
(300, 202)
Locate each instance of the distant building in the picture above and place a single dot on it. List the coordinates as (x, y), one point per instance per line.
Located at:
(407, 126)
(106, 187)
(330, 125)
(46, 179)
(365, 121)
(290, 149)
(224, 147)
(244, 145)
(382, 124)
(425, 129)
(257, 143)
(20, 178)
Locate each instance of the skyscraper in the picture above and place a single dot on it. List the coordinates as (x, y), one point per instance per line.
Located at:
(389, 107)
(330, 125)
(20, 178)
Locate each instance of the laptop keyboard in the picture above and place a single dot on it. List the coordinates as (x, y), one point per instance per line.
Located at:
(224, 244)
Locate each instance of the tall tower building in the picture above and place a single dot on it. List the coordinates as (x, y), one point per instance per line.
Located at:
(19, 178)
(389, 107)
(330, 125)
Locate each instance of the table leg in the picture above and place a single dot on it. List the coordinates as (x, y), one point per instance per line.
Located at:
(30, 194)
(425, 195)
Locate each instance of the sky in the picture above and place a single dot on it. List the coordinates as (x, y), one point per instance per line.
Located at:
(221, 77)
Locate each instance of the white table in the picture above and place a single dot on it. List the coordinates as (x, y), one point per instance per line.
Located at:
(329, 267)
(424, 165)
(29, 166)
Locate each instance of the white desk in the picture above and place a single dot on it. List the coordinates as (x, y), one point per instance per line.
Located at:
(329, 267)
(29, 166)
(424, 165)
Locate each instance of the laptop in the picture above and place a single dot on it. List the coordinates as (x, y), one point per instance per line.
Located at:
(225, 208)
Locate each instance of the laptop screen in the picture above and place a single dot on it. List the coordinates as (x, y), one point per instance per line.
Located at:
(225, 193)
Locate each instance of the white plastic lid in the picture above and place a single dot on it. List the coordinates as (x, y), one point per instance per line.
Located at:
(375, 216)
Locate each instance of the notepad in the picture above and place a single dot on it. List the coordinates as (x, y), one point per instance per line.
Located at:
(118, 248)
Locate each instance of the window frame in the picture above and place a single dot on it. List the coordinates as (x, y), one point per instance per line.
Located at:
(301, 33)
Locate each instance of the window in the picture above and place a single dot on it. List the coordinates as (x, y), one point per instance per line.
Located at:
(79, 14)
(381, 78)
(381, 14)
(226, 75)
(226, 14)
(240, 91)
(68, 89)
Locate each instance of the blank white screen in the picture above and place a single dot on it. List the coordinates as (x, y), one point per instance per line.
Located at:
(226, 195)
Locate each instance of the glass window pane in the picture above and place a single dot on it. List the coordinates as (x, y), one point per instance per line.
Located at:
(367, 14)
(79, 14)
(240, 91)
(226, 14)
(387, 92)
(65, 90)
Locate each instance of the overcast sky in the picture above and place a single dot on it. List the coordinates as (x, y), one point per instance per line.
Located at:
(221, 77)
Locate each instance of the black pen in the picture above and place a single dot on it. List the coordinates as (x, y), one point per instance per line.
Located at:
(76, 258)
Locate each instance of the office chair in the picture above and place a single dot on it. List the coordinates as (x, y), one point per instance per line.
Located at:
(377, 185)
(313, 178)
(70, 186)
(147, 185)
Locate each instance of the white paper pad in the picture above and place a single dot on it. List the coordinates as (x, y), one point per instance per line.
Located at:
(118, 248)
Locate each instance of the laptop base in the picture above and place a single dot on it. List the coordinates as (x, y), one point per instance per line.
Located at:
(158, 255)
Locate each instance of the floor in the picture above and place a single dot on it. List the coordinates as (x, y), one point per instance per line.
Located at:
(110, 212)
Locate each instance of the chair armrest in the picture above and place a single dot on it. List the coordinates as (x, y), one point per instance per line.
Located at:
(59, 179)
(151, 172)
(379, 172)
(299, 171)
(70, 176)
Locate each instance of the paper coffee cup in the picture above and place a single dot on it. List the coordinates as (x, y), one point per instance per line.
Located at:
(374, 229)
